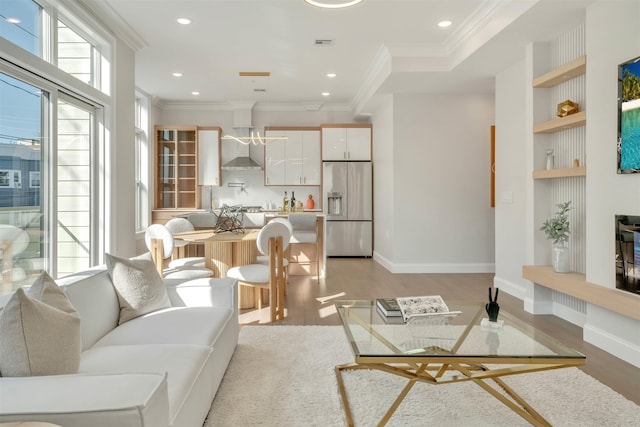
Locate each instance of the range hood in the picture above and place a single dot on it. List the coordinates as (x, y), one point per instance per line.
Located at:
(242, 127)
(241, 163)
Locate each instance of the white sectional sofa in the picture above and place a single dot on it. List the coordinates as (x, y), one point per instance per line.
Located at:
(160, 369)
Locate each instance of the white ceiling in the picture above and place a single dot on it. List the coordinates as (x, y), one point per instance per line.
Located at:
(380, 46)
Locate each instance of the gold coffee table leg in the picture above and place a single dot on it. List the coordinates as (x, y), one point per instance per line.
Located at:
(345, 401)
(512, 400)
(343, 391)
(517, 404)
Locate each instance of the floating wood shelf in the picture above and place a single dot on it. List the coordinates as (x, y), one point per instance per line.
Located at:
(562, 74)
(563, 123)
(560, 173)
(576, 285)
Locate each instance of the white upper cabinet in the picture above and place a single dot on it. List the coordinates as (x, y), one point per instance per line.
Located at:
(208, 156)
(348, 143)
(311, 161)
(294, 161)
(295, 158)
(275, 160)
(359, 143)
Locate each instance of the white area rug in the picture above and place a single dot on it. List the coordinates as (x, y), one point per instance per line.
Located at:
(284, 376)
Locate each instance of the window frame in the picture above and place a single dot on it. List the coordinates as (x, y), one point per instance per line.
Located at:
(142, 169)
(40, 72)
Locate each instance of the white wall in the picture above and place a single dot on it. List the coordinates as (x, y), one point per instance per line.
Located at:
(121, 199)
(383, 179)
(510, 232)
(443, 220)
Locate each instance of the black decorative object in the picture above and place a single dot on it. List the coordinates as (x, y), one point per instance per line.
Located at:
(229, 219)
(492, 307)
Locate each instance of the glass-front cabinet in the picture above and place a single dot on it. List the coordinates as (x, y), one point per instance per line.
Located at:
(176, 168)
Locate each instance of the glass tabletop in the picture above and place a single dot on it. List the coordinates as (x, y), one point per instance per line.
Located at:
(466, 333)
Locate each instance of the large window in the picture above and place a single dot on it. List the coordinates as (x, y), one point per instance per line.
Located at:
(52, 185)
(32, 25)
(75, 54)
(21, 228)
(20, 23)
(74, 185)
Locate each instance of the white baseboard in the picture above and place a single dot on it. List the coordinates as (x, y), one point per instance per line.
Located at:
(441, 268)
(624, 350)
(509, 287)
(383, 261)
(569, 315)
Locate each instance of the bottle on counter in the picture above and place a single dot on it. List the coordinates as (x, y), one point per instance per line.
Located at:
(285, 202)
(293, 201)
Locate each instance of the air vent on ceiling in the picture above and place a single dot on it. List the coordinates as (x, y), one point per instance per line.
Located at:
(259, 90)
(254, 73)
(323, 42)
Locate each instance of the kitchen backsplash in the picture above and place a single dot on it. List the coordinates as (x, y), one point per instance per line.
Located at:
(254, 192)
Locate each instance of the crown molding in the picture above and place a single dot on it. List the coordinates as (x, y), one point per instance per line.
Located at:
(474, 23)
(379, 71)
(103, 12)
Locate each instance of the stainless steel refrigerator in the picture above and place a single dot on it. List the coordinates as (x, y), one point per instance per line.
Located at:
(348, 206)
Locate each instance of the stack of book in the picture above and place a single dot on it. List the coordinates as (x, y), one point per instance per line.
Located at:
(388, 307)
(407, 307)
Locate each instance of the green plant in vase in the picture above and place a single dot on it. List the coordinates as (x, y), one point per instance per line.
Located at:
(558, 231)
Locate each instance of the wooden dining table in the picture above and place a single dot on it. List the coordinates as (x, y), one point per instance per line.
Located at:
(224, 250)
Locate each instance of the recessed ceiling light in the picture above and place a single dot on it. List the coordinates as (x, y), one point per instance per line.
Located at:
(331, 75)
(325, 94)
(184, 21)
(195, 92)
(333, 4)
(13, 20)
(177, 74)
(444, 24)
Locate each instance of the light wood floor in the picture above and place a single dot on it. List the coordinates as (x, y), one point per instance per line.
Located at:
(310, 302)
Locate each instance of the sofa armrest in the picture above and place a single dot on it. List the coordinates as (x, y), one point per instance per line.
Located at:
(87, 400)
(207, 292)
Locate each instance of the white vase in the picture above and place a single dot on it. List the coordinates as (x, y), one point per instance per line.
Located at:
(560, 258)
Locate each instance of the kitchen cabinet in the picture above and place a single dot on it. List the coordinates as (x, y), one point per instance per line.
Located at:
(176, 167)
(209, 156)
(294, 161)
(275, 160)
(346, 142)
(303, 167)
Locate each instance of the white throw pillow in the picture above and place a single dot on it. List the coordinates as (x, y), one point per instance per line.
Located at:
(139, 287)
(39, 332)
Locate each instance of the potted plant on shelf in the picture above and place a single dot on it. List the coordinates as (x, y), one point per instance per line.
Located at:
(557, 229)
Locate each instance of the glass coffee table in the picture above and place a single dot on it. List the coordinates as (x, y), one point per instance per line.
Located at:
(445, 349)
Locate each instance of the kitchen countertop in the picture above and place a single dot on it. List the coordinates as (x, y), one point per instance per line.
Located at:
(278, 213)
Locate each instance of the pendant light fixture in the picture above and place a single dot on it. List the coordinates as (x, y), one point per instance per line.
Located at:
(335, 4)
(255, 139)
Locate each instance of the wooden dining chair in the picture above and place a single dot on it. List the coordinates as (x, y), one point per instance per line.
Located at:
(160, 243)
(271, 276)
(286, 239)
(181, 257)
